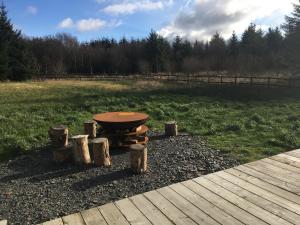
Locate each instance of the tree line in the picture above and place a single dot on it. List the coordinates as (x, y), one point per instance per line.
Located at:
(276, 50)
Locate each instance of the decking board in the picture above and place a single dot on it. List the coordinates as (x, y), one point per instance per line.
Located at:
(262, 192)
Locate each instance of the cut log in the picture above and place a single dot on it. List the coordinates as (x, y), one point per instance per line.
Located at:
(59, 136)
(3, 222)
(101, 152)
(137, 129)
(171, 129)
(81, 153)
(90, 128)
(63, 154)
(138, 158)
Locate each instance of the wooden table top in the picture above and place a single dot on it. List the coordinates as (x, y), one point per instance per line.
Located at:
(120, 117)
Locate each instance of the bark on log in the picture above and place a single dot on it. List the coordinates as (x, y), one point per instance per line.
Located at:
(171, 129)
(63, 154)
(81, 153)
(101, 152)
(90, 128)
(138, 158)
(59, 136)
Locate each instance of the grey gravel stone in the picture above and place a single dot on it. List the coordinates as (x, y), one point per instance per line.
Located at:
(39, 189)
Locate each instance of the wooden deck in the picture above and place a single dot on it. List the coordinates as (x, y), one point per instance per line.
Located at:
(262, 192)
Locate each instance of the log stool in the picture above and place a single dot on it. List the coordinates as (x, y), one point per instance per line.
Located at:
(81, 153)
(3, 222)
(90, 128)
(59, 140)
(63, 154)
(101, 152)
(59, 136)
(138, 158)
(171, 129)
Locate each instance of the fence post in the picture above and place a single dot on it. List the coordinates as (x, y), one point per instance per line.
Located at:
(221, 79)
(269, 79)
(251, 81)
(235, 80)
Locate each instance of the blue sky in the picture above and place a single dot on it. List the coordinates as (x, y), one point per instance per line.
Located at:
(192, 19)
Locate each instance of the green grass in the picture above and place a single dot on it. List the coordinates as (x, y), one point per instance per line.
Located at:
(250, 123)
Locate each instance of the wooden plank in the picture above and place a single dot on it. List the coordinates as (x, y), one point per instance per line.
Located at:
(264, 185)
(112, 215)
(226, 206)
(295, 154)
(73, 219)
(57, 221)
(293, 158)
(93, 217)
(207, 207)
(174, 214)
(3, 222)
(286, 159)
(282, 165)
(238, 201)
(186, 207)
(273, 171)
(227, 181)
(131, 213)
(149, 210)
(272, 180)
(292, 206)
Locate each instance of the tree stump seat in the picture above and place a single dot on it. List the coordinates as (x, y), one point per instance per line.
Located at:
(101, 152)
(81, 153)
(90, 128)
(171, 129)
(138, 158)
(59, 136)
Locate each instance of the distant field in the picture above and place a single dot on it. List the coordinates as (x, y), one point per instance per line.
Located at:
(250, 123)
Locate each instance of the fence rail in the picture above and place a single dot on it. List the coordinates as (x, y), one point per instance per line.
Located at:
(186, 78)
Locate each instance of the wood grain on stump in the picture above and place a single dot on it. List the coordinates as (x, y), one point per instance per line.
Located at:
(90, 128)
(171, 129)
(59, 136)
(138, 158)
(3, 222)
(101, 152)
(81, 153)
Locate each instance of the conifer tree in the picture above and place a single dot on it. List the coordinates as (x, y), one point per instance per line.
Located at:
(292, 33)
(233, 46)
(14, 57)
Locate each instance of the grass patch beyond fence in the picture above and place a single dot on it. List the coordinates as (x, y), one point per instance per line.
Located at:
(250, 123)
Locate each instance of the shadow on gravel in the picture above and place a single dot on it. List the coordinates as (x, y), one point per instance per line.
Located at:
(36, 166)
(101, 180)
(54, 174)
(157, 137)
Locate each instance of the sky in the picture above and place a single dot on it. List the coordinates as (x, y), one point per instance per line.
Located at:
(190, 19)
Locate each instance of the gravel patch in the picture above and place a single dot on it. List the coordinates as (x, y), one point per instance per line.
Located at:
(33, 189)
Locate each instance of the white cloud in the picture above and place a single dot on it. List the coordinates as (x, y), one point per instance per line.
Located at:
(200, 19)
(32, 9)
(66, 23)
(131, 6)
(90, 24)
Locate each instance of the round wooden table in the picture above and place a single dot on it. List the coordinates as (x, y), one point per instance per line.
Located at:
(123, 128)
(121, 120)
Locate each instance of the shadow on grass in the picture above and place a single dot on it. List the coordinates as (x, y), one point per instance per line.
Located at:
(227, 92)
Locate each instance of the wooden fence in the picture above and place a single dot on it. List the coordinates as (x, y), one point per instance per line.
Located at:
(186, 78)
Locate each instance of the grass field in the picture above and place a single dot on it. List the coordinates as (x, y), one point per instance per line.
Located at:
(250, 123)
